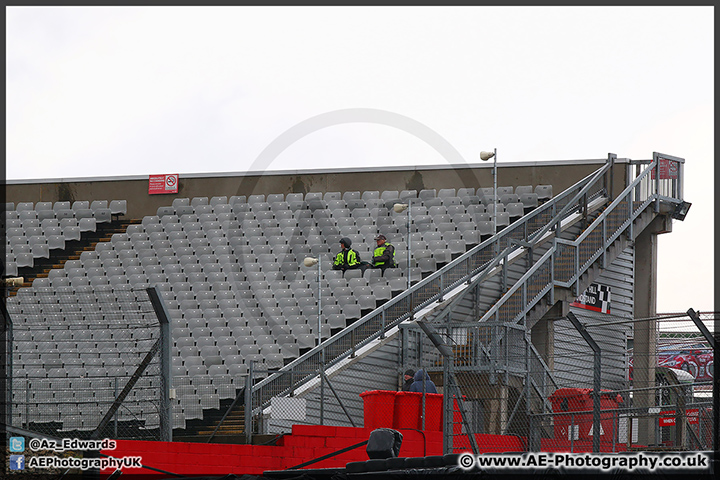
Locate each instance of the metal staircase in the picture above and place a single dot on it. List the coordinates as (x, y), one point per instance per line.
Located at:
(515, 277)
(570, 261)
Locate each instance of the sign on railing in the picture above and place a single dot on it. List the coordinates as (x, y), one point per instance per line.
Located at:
(668, 169)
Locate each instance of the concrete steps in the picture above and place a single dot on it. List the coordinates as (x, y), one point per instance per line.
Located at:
(72, 251)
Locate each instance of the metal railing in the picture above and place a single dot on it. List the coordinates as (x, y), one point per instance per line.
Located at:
(567, 260)
(431, 289)
(574, 258)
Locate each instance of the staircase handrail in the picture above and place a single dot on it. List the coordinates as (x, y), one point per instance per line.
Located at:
(494, 311)
(396, 310)
(537, 236)
(642, 190)
(630, 195)
(618, 218)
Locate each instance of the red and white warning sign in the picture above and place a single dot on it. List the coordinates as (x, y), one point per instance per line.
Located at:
(691, 414)
(163, 184)
(668, 169)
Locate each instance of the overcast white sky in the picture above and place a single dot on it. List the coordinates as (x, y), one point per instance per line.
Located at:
(100, 91)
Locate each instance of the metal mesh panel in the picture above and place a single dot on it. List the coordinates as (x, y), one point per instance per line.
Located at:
(591, 245)
(564, 262)
(547, 399)
(74, 357)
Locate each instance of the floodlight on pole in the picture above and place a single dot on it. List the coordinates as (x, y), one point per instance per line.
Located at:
(399, 208)
(310, 262)
(12, 281)
(485, 156)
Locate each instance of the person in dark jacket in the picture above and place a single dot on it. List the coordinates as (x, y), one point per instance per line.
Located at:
(409, 379)
(384, 254)
(421, 377)
(347, 259)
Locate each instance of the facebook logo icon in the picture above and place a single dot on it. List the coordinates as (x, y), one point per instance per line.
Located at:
(17, 462)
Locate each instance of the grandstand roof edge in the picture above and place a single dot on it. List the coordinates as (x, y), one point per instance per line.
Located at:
(543, 163)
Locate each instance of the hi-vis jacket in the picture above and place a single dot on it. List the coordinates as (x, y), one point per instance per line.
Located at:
(347, 258)
(384, 254)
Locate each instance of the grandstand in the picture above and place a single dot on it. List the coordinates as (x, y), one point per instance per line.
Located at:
(229, 270)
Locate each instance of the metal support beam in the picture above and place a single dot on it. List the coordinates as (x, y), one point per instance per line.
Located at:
(163, 317)
(240, 394)
(6, 367)
(342, 405)
(451, 385)
(596, 378)
(125, 391)
(701, 326)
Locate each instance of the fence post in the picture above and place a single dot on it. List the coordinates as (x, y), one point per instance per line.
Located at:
(248, 404)
(596, 378)
(442, 288)
(115, 417)
(165, 348)
(422, 405)
(322, 386)
(382, 326)
(611, 160)
(448, 404)
(27, 404)
(448, 356)
(533, 433)
(716, 380)
(6, 368)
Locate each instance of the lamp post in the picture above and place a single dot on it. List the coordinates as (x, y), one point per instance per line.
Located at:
(399, 208)
(309, 262)
(485, 156)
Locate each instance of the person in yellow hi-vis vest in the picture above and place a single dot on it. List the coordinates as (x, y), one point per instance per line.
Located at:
(384, 254)
(348, 258)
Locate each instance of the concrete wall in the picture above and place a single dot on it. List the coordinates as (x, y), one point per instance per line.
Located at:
(559, 174)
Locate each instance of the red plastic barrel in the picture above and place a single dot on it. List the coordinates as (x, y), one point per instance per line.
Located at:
(378, 408)
(578, 426)
(407, 410)
(408, 407)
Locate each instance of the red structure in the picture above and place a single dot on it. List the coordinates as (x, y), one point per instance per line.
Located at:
(382, 409)
(306, 442)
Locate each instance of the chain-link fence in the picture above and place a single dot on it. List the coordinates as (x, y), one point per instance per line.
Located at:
(87, 363)
(499, 383)
(680, 416)
(324, 393)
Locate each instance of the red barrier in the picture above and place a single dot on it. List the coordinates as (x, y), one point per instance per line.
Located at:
(579, 426)
(378, 408)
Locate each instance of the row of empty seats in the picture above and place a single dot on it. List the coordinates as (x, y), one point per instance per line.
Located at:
(230, 274)
(276, 204)
(33, 230)
(543, 192)
(101, 210)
